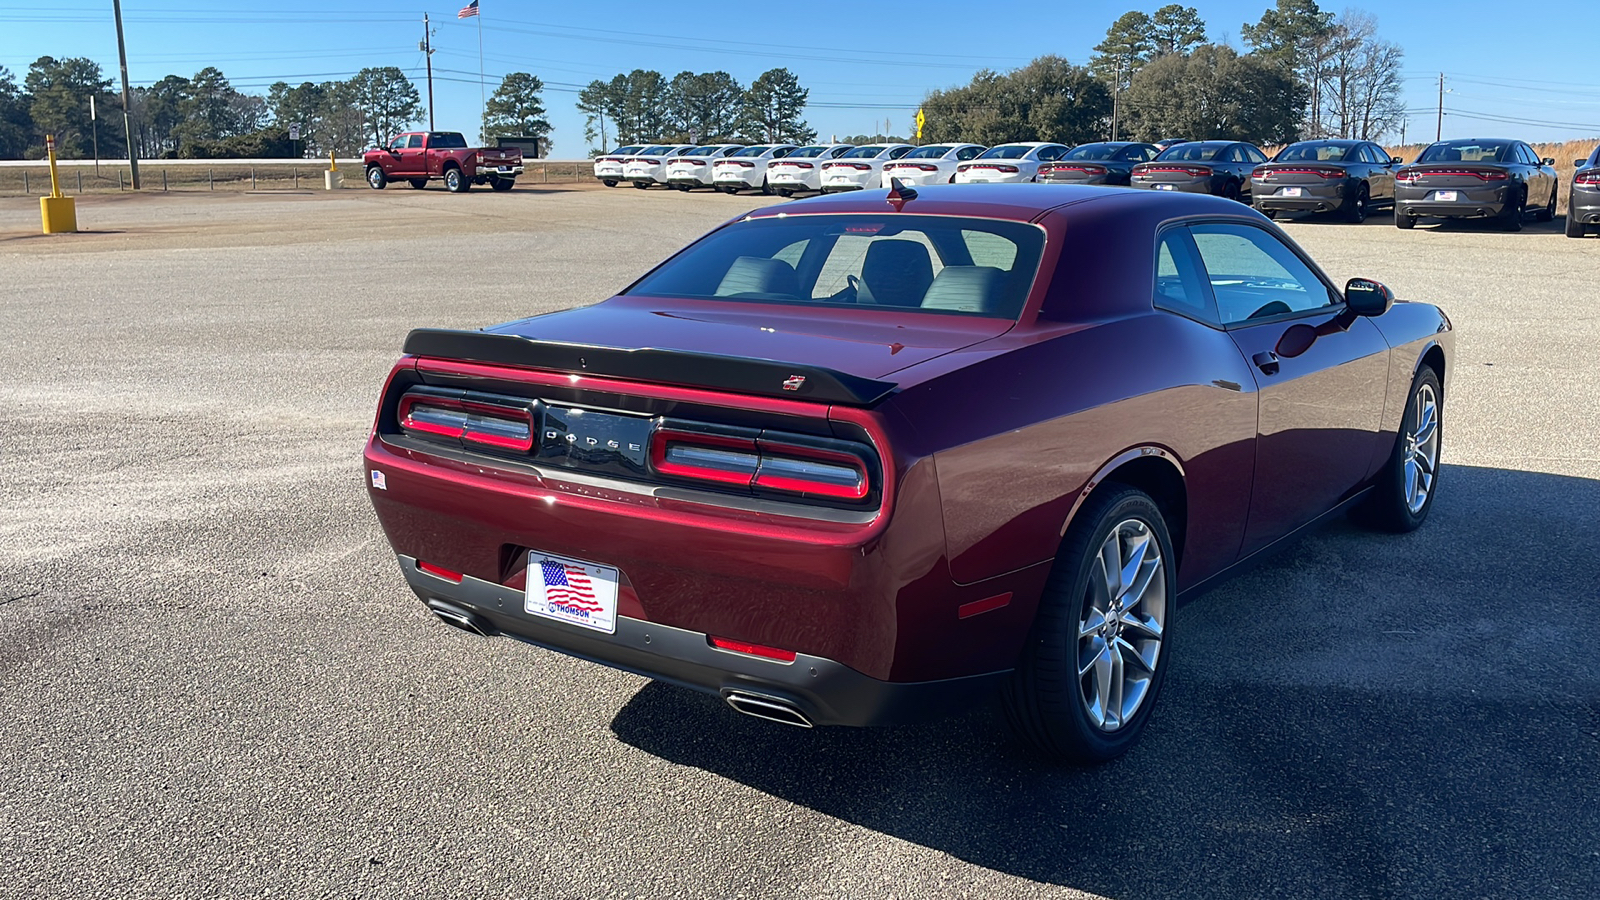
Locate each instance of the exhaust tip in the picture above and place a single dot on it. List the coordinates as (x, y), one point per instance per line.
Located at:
(762, 706)
(460, 618)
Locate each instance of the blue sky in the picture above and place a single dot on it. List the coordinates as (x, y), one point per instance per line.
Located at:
(1511, 69)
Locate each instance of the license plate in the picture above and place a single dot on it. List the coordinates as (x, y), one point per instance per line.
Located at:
(1445, 196)
(1162, 187)
(1292, 192)
(572, 591)
(505, 168)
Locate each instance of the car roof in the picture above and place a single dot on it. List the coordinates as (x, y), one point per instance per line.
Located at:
(1015, 202)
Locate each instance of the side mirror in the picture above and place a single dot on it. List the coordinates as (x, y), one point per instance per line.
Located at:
(1397, 161)
(1549, 162)
(1580, 163)
(1366, 297)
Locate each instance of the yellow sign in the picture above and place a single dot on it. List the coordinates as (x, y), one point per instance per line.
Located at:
(920, 119)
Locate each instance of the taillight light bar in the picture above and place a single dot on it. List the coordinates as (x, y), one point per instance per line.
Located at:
(1264, 174)
(1195, 171)
(461, 418)
(1587, 178)
(759, 463)
(1087, 170)
(1411, 176)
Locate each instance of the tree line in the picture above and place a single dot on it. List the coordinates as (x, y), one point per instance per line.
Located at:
(205, 117)
(710, 107)
(1307, 73)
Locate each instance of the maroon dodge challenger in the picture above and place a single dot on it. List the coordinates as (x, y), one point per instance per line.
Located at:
(865, 459)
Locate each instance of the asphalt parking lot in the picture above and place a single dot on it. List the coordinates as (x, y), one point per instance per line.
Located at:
(217, 685)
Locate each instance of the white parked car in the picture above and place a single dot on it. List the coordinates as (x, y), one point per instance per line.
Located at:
(930, 164)
(1009, 163)
(860, 168)
(608, 168)
(802, 169)
(747, 168)
(693, 169)
(649, 166)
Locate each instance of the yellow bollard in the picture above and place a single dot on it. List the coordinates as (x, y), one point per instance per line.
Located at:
(60, 214)
(333, 179)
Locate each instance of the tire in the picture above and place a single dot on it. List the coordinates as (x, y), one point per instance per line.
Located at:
(766, 189)
(1403, 221)
(1511, 217)
(731, 189)
(682, 187)
(417, 183)
(1270, 213)
(609, 182)
(1396, 504)
(502, 184)
(376, 179)
(785, 192)
(1548, 213)
(1356, 211)
(455, 182)
(1230, 191)
(1575, 228)
(1045, 702)
(642, 185)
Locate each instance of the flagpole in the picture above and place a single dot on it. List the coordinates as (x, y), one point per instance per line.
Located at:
(483, 103)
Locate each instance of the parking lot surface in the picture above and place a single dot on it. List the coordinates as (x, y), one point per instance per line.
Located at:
(216, 683)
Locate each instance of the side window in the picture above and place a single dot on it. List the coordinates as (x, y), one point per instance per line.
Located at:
(1253, 155)
(838, 152)
(899, 152)
(399, 143)
(792, 253)
(781, 152)
(1233, 154)
(1051, 153)
(966, 153)
(1179, 286)
(1254, 275)
(989, 249)
(415, 143)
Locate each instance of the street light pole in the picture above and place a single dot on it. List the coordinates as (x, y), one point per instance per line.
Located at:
(127, 127)
(427, 52)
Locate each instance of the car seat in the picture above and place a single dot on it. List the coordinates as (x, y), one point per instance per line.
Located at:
(895, 273)
(974, 289)
(759, 275)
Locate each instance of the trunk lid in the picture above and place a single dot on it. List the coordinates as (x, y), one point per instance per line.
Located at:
(867, 343)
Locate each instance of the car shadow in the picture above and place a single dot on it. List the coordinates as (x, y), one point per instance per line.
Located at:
(1367, 715)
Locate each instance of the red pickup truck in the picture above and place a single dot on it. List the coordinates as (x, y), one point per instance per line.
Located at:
(422, 156)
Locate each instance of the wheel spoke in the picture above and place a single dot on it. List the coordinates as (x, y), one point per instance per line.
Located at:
(1411, 480)
(1115, 691)
(1100, 650)
(1136, 554)
(1091, 623)
(1129, 655)
(1149, 627)
(1111, 565)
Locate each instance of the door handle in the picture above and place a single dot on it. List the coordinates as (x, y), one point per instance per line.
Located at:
(1266, 361)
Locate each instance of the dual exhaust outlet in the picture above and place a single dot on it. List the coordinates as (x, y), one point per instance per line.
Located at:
(761, 706)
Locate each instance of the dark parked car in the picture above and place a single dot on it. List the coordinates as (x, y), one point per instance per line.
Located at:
(1110, 162)
(1475, 178)
(1583, 208)
(1221, 168)
(1348, 177)
(849, 461)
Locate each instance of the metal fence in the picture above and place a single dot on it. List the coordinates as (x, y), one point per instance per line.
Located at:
(81, 177)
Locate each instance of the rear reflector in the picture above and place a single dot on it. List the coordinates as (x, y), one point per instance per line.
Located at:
(749, 649)
(439, 572)
(988, 604)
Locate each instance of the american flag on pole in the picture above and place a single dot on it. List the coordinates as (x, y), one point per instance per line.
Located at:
(468, 11)
(568, 586)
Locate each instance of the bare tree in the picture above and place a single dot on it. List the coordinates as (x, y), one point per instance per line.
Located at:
(1361, 83)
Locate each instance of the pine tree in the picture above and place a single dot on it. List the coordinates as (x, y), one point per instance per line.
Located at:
(772, 109)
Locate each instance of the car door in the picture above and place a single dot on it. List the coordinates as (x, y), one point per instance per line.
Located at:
(1545, 174)
(1320, 375)
(413, 159)
(393, 162)
(1380, 173)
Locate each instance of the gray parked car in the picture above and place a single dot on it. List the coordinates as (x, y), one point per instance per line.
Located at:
(1348, 177)
(1108, 162)
(1221, 168)
(1476, 178)
(1583, 209)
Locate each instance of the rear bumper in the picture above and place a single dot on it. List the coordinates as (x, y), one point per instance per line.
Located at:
(1097, 179)
(1319, 198)
(1481, 203)
(1585, 206)
(513, 171)
(688, 179)
(827, 692)
(1187, 187)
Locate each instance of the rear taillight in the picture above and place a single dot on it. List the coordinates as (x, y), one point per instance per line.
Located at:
(1329, 174)
(760, 463)
(1087, 170)
(1587, 178)
(802, 165)
(459, 416)
(1262, 174)
(1411, 176)
(1193, 171)
(1406, 176)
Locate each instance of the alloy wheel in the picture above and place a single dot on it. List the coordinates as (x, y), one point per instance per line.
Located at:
(1421, 448)
(1123, 622)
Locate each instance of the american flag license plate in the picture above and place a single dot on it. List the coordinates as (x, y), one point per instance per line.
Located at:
(572, 591)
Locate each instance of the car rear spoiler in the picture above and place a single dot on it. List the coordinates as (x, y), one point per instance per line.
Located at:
(765, 377)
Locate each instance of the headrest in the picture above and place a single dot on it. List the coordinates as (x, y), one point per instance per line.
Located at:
(758, 275)
(974, 289)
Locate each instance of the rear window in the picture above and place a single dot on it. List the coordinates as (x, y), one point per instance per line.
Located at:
(1467, 151)
(699, 151)
(807, 152)
(753, 151)
(863, 153)
(1092, 151)
(655, 151)
(1193, 152)
(1012, 151)
(1309, 152)
(933, 152)
(948, 265)
(626, 150)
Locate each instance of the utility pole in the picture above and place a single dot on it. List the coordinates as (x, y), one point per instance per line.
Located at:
(94, 125)
(1438, 134)
(427, 53)
(127, 127)
(1116, 99)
